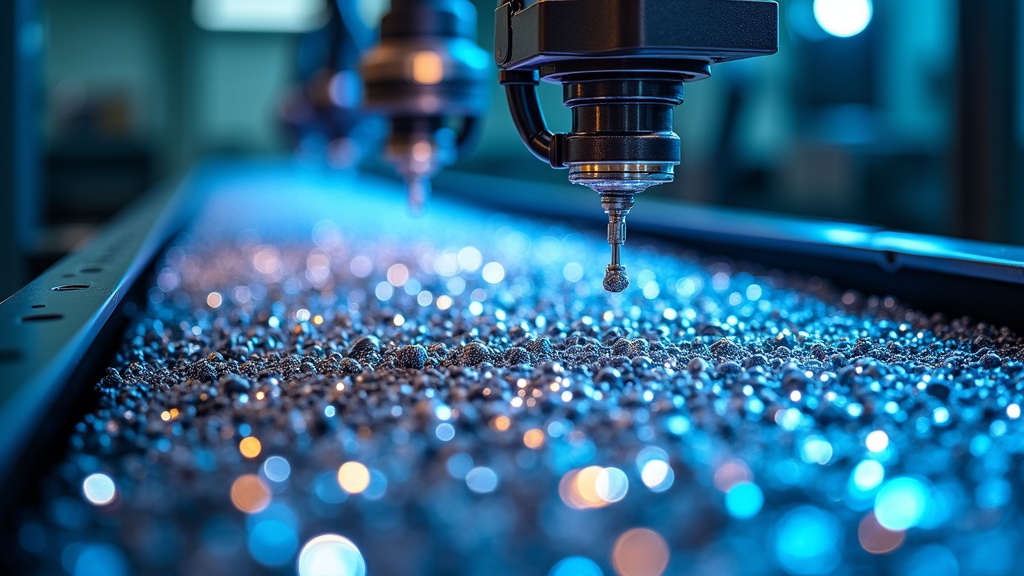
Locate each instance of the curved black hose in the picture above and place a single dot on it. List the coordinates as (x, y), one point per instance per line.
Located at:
(524, 105)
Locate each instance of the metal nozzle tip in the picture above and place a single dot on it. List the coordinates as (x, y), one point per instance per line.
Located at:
(419, 190)
(615, 279)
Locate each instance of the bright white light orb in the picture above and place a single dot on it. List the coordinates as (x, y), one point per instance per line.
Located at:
(843, 18)
(611, 484)
(482, 480)
(99, 489)
(331, 555)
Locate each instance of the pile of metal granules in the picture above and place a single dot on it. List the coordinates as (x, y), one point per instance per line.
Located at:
(323, 384)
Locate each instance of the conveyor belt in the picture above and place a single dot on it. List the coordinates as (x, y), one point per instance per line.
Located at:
(320, 381)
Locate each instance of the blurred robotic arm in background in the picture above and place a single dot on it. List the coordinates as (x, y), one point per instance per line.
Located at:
(424, 84)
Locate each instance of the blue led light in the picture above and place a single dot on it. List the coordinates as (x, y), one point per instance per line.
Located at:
(378, 485)
(482, 480)
(807, 541)
(945, 500)
(575, 566)
(100, 560)
(99, 489)
(459, 464)
(789, 419)
(273, 537)
(868, 475)
(744, 500)
(901, 503)
(327, 488)
(843, 18)
(980, 445)
(277, 469)
(678, 425)
(275, 511)
(993, 493)
(444, 432)
(931, 560)
(816, 450)
(272, 542)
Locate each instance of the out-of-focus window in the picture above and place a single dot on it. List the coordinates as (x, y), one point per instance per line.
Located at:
(260, 15)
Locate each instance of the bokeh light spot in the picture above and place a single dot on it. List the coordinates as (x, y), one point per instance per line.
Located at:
(640, 552)
(272, 542)
(100, 560)
(331, 555)
(868, 475)
(444, 432)
(99, 489)
(501, 423)
(353, 477)
(731, 473)
(744, 500)
(576, 566)
(816, 450)
(843, 18)
(877, 539)
(249, 494)
(807, 541)
(930, 560)
(611, 484)
(482, 480)
(657, 475)
(901, 503)
(533, 438)
(277, 469)
(493, 273)
(250, 447)
(877, 441)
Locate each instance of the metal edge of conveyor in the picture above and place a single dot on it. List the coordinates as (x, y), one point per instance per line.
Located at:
(48, 328)
(932, 273)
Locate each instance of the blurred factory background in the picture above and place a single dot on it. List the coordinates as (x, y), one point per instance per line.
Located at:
(901, 113)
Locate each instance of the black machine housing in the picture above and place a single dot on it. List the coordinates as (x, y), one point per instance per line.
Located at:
(621, 64)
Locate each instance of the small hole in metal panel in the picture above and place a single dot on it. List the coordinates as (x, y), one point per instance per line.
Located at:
(41, 317)
(69, 287)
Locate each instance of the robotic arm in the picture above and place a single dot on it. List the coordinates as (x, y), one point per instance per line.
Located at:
(429, 78)
(622, 65)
